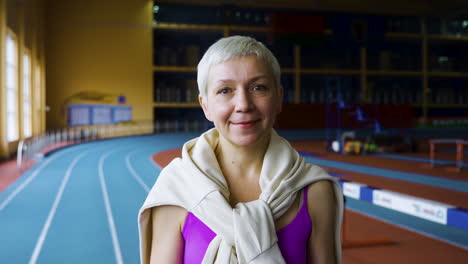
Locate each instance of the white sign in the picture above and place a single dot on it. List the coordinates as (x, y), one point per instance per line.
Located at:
(426, 209)
(352, 189)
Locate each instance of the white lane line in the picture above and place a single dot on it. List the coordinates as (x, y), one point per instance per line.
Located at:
(110, 218)
(134, 173)
(50, 217)
(31, 178)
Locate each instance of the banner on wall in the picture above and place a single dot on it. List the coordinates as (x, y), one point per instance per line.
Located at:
(79, 116)
(98, 114)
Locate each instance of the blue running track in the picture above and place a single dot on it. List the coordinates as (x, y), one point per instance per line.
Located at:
(80, 203)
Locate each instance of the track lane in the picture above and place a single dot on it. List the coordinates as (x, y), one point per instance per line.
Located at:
(53, 210)
(126, 197)
(23, 219)
(125, 192)
(80, 232)
(18, 186)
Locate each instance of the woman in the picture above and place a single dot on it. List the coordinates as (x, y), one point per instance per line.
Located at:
(240, 193)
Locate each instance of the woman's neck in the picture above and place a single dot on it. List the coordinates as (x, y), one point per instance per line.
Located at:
(242, 162)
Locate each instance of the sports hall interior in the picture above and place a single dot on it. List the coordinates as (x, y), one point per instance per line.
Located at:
(97, 96)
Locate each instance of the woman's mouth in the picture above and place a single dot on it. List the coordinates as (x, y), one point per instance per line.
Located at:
(245, 124)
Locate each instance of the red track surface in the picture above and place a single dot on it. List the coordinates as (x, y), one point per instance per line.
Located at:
(9, 171)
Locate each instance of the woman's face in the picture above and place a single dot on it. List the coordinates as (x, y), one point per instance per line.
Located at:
(242, 100)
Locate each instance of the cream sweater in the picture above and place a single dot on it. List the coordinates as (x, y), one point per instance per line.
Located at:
(246, 233)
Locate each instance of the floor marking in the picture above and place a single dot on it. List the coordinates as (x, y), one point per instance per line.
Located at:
(50, 217)
(134, 173)
(30, 179)
(110, 218)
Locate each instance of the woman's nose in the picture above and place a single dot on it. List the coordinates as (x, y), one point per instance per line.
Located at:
(243, 101)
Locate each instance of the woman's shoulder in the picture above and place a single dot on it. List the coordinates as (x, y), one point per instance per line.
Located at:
(321, 188)
(320, 197)
(169, 211)
(169, 215)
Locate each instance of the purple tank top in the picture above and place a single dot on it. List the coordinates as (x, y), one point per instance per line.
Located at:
(292, 239)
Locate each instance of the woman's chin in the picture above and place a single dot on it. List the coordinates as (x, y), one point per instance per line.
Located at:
(248, 140)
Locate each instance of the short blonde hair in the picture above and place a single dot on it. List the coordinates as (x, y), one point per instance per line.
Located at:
(235, 46)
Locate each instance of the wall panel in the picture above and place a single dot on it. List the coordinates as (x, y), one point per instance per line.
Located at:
(99, 46)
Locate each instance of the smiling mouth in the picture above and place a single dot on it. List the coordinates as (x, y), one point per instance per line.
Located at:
(247, 124)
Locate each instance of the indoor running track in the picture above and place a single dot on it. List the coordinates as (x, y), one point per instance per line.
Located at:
(80, 204)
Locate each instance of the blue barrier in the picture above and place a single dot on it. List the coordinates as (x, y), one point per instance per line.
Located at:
(458, 217)
(426, 209)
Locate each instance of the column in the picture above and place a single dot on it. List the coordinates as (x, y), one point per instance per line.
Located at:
(3, 141)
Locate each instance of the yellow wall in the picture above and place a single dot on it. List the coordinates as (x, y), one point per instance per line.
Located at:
(99, 45)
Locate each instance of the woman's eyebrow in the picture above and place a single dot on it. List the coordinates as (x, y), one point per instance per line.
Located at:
(260, 77)
(254, 79)
(223, 81)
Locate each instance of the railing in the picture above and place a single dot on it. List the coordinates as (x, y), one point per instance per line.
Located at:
(35, 147)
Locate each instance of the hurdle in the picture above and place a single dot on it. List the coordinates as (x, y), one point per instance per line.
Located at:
(460, 143)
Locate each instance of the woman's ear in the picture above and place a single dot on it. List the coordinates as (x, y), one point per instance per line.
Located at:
(202, 102)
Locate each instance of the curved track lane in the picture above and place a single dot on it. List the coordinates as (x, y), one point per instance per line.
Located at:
(80, 204)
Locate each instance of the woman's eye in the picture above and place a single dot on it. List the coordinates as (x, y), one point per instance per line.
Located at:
(259, 89)
(224, 91)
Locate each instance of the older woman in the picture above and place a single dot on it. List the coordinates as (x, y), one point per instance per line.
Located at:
(240, 193)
